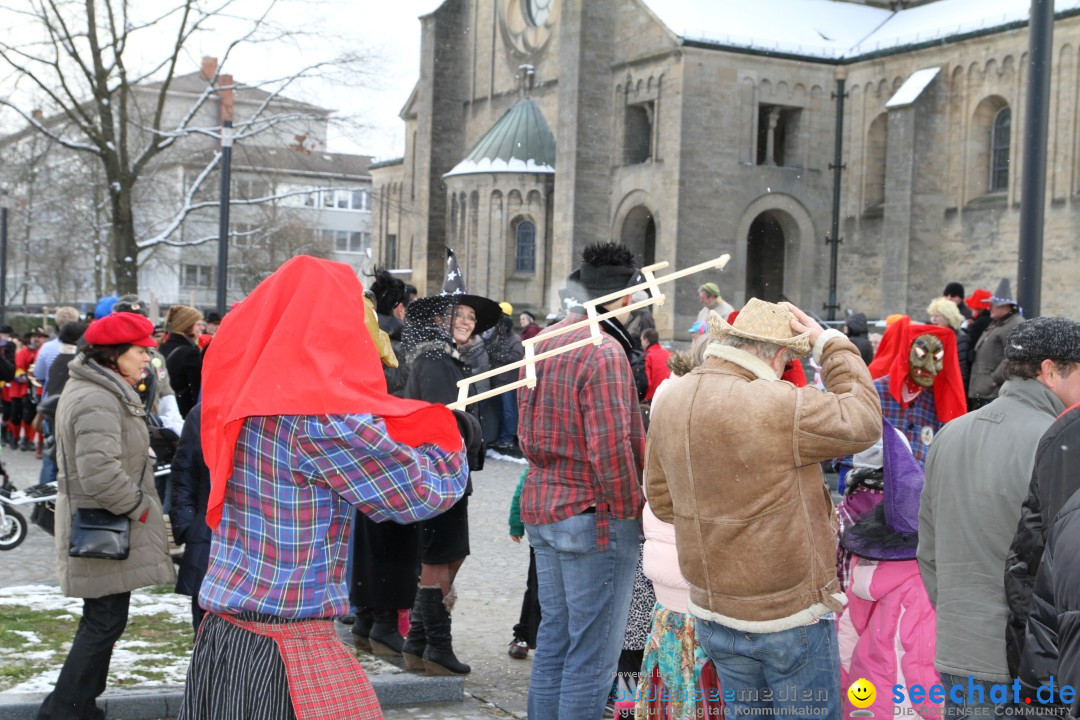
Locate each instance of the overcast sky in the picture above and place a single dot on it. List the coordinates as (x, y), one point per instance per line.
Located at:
(390, 29)
(387, 29)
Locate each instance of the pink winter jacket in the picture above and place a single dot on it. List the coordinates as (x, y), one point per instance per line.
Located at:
(887, 633)
(660, 562)
(659, 558)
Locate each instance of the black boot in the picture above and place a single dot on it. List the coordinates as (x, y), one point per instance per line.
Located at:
(412, 651)
(384, 635)
(361, 629)
(439, 656)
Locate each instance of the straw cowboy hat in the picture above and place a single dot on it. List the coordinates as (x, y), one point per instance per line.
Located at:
(764, 322)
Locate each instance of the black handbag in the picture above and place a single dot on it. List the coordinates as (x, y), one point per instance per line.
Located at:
(97, 533)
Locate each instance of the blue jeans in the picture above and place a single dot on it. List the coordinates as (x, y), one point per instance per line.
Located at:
(48, 470)
(795, 672)
(506, 405)
(48, 465)
(584, 602)
(976, 697)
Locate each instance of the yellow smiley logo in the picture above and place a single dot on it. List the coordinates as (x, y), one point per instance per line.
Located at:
(862, 693)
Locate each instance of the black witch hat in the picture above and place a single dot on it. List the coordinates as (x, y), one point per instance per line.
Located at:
(453, 293)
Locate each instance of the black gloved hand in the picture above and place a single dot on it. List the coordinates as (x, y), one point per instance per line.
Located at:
(472, 435)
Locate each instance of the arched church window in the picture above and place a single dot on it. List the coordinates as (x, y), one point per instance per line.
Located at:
(999, 150)
(525, 248)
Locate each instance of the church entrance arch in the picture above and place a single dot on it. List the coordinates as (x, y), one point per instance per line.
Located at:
(639, 234)
(774, 257)
(765, 258)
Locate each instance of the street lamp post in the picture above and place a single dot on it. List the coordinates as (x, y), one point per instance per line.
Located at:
(223, 215)
(1033, 175)
(3, 253)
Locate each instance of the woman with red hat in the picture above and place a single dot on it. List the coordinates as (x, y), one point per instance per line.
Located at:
(103, 453)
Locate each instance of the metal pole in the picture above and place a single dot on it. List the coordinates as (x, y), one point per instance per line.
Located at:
(1033, 174)
(223, 215)
(837, 166)
(3, 254)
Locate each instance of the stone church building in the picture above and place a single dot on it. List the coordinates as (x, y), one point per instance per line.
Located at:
(691, 128)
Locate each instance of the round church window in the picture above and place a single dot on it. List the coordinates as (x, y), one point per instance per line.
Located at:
(527, 25)
(538, 11)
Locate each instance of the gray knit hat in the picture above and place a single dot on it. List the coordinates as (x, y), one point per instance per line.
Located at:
(1045, 338)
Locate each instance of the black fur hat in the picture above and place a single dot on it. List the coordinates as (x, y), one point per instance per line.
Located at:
(605, 268)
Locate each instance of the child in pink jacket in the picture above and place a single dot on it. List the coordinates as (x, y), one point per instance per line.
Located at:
(887, 631)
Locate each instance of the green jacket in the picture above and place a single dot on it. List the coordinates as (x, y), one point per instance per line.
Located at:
(517, 528)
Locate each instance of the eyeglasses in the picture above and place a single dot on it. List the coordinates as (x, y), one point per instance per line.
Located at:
(466, 317)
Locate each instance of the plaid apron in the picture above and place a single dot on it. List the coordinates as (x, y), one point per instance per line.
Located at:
(325, 680)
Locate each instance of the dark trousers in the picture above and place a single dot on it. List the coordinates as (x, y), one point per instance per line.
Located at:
(529, 622)
(196, 613)
(82, 679)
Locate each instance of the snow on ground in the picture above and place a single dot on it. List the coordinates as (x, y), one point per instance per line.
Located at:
(29, 637)
(495, 455)
(131, 658)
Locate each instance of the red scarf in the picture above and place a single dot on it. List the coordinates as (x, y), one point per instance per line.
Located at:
(297, 345)
(1069, 410)
(893, 359)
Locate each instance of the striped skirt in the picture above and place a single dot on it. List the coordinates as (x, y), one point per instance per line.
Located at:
(236, 674)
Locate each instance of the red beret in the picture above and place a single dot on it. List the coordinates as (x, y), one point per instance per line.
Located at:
(121, 328)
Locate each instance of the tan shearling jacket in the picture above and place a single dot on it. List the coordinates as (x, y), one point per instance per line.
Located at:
(733, 461)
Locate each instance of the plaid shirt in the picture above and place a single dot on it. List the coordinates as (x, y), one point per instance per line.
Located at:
(581, 430)
(280, 548)
(914, 420)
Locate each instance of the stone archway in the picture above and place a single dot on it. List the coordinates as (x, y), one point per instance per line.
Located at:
(639, 234)
(774, 253)
(765, 258)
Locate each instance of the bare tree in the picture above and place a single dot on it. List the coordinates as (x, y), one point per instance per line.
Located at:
(70, 58)
(57, 240)
(259, 250)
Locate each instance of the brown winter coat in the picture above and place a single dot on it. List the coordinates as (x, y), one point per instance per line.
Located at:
(733, 460)
(987, 370)
(103, 458)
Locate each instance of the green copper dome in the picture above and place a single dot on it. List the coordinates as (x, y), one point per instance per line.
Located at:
(520, 142)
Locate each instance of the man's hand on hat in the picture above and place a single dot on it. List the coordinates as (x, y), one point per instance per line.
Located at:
(803, 323)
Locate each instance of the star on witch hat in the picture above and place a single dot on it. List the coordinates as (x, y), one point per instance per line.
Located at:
(453, 292)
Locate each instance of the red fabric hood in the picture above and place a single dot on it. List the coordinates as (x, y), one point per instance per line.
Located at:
(297, 345)
(892, 360)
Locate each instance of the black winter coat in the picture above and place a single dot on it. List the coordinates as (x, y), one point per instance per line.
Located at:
(963, 353)
(1053, 481)
(504, 346)
(395, 377)
(975, 329)
(858, 334)
(434, 371)
(1053, 636)
(7, 361)
(191, 491)
(183, 360)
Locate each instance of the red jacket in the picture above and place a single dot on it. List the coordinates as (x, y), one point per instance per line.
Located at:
(656, 369)
(24, 361)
